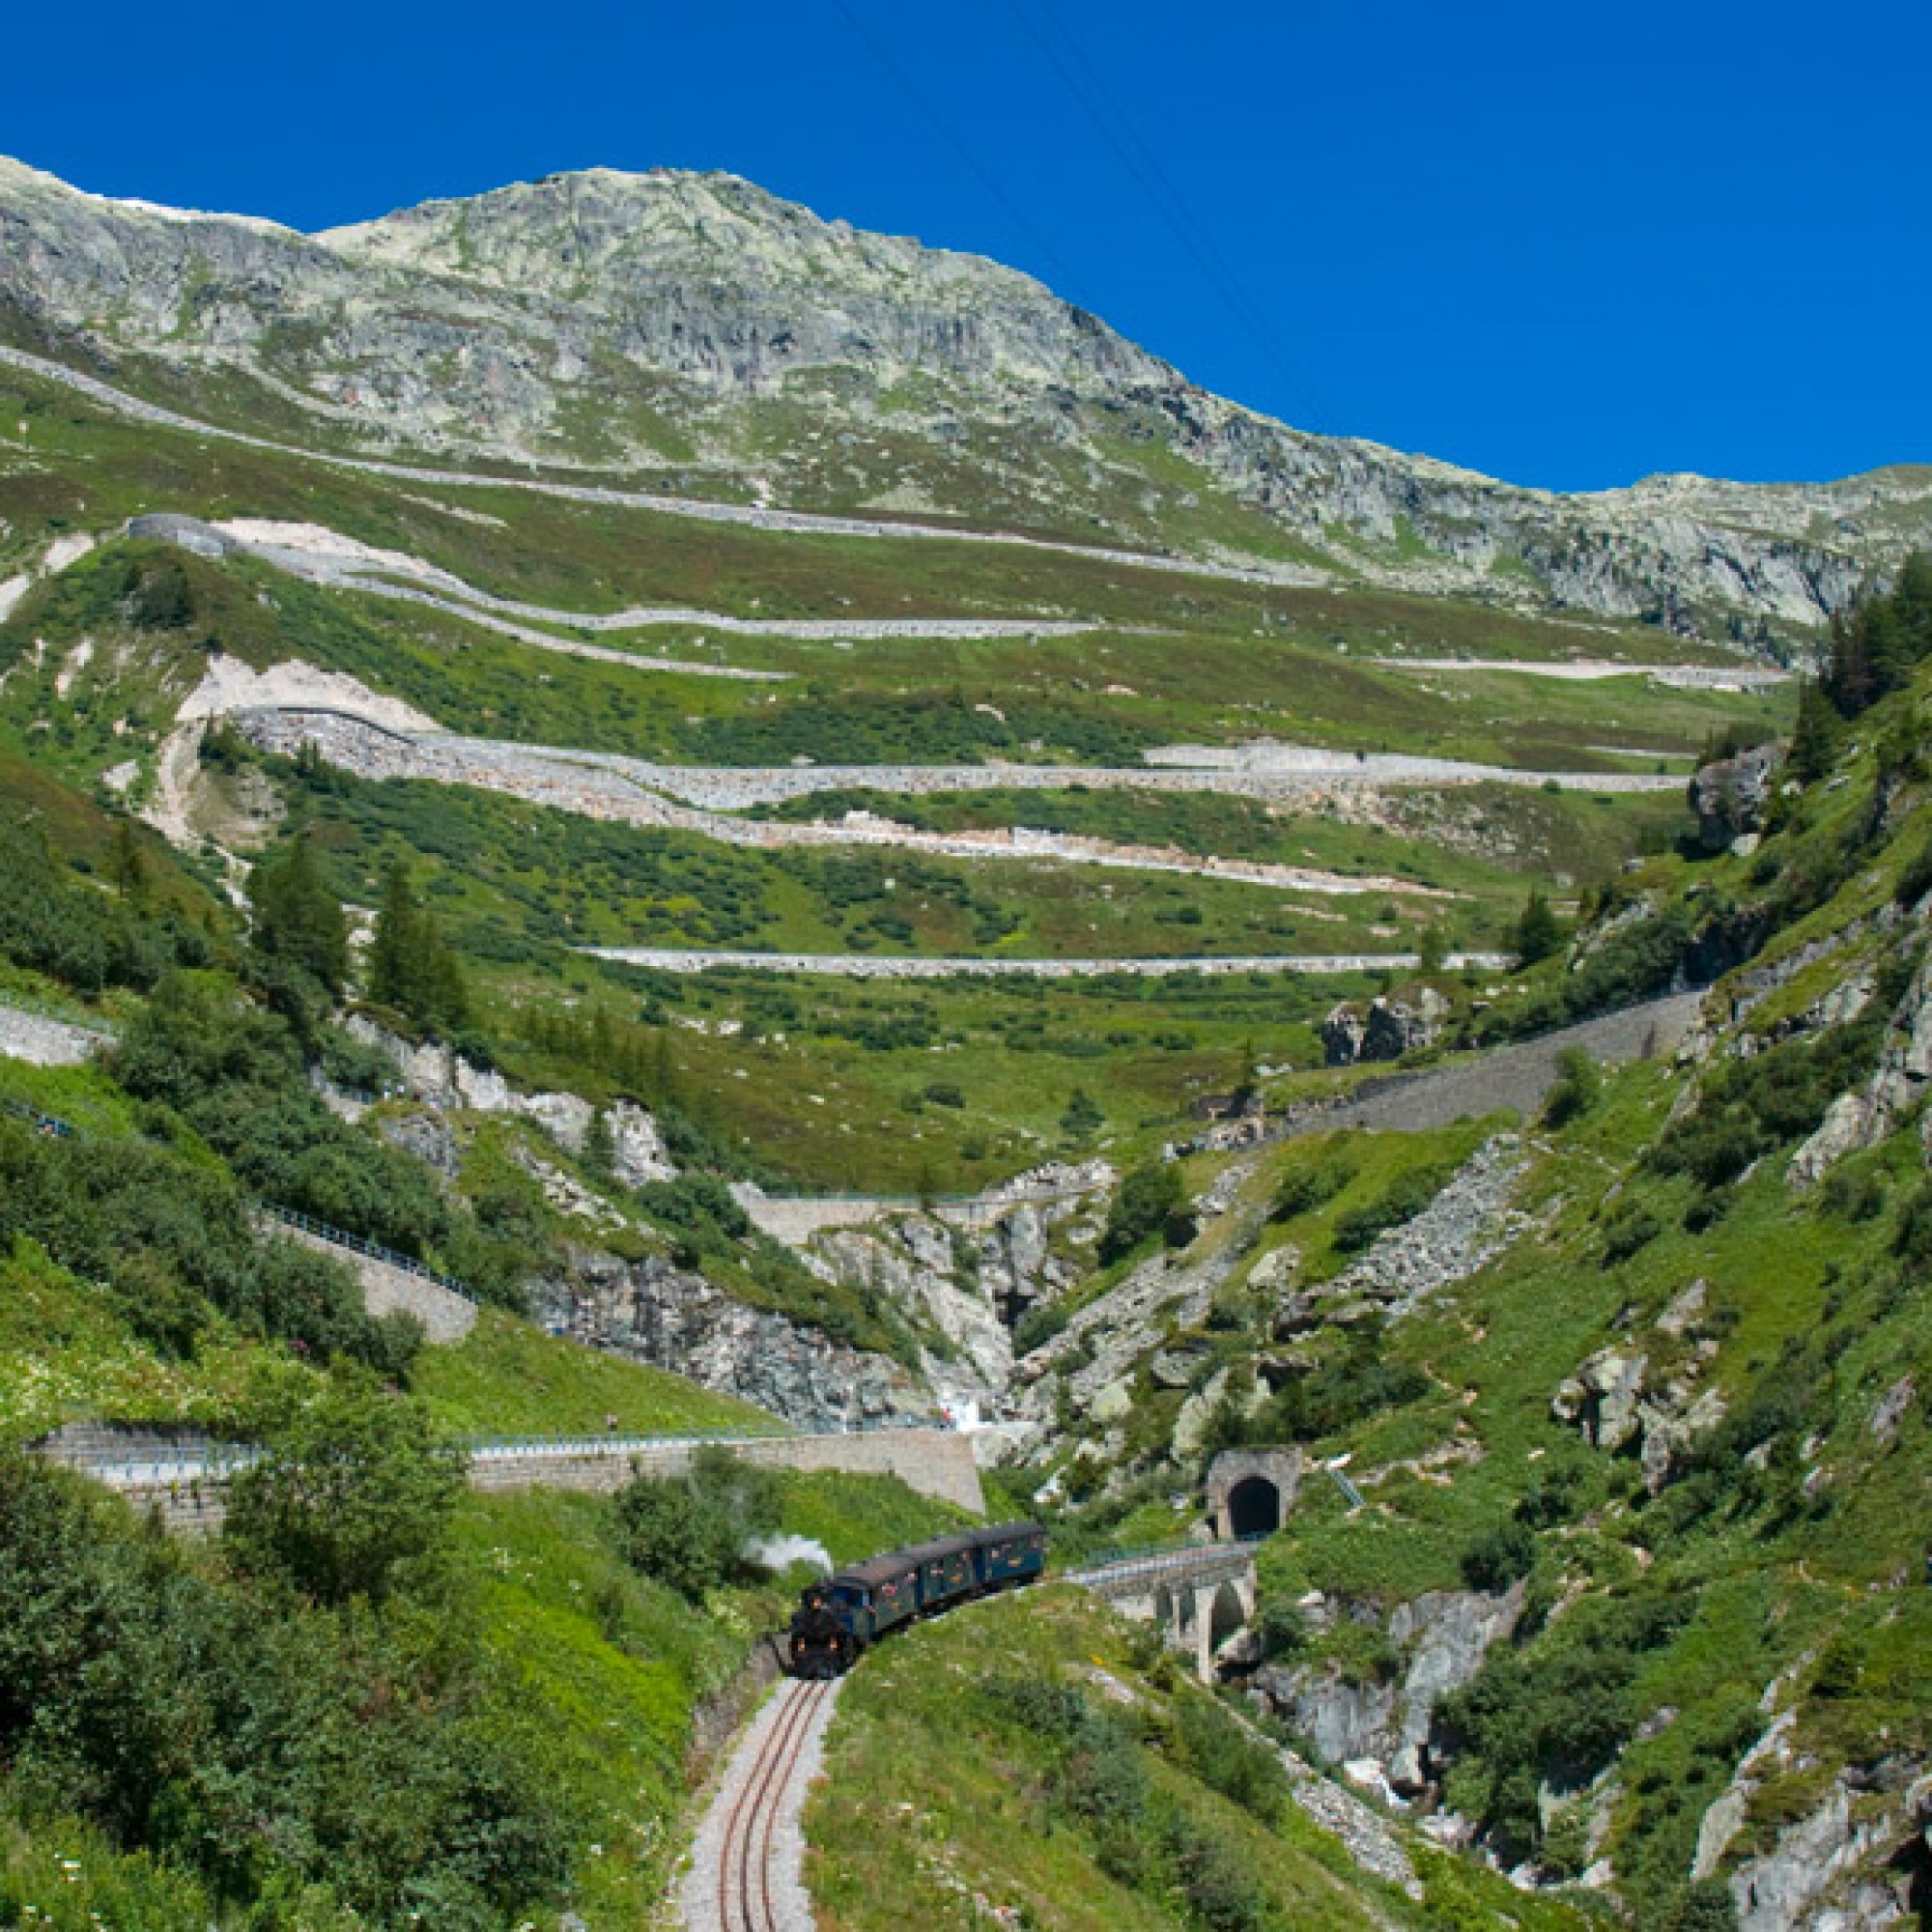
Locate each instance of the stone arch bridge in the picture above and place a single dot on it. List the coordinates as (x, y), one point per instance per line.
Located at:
(1198, 1598)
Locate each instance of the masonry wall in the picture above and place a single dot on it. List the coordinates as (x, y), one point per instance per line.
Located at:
(937, 1463)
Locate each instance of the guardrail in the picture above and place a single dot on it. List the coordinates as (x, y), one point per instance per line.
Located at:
(340, 1237)
(535, 1448)
(163, 1468)
(289, 1217)
(994, 1199)
(1150, 1558)
(1345, 1483)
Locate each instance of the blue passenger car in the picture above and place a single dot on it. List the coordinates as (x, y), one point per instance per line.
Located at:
(838, 1616)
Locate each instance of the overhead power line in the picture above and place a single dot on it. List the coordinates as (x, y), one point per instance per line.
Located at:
(921, 100)
(1081, 80)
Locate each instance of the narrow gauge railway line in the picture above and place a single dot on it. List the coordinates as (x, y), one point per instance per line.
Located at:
(745, 1871)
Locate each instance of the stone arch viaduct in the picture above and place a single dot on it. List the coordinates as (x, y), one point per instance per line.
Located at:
(1197, 1597)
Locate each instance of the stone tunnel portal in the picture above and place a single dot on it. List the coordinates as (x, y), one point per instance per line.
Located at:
(1250, 1491)
(1254, 1507)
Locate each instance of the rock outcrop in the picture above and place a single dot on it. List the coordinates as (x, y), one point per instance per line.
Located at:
(1385, 1029)
(1440, 1640)
(657, 1313)
(1730, 797)
(443, 1080)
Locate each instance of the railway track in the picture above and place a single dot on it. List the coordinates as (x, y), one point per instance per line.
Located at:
(745, 1866)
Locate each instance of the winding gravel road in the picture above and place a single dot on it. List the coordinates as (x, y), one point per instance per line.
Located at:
(929, 966)
(335, 563)
(802, 522)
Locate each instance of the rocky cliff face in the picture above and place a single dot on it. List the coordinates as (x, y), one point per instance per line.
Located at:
(692, 322)
(657, 1313)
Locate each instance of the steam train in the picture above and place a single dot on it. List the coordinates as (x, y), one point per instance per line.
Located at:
(840, 1615)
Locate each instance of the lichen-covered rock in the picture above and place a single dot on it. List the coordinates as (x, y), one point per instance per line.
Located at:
(1670, 1424)
(911, 1262)
(444, 1080)
(1601, 1398)
(1730, 797)
(426, 1137)
(654, 1312)
(1441, 1638)
(1385, 1029)
(1343, 1031)
(1276, 1269)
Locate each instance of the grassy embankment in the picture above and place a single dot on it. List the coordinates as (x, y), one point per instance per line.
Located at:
(1034, 1756)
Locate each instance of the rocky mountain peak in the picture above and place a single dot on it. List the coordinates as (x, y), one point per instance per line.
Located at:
(617, 320)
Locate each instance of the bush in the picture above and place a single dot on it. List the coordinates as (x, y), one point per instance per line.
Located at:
(1629, 1226)
(1345, 1390)
(51, 922)
(1752, 1106)
(1578, 1086)
(1400, 1201)
(353, 1489)
(1556, 1711)
(345, 1766)
(1039, 1324)
(172, 1244)
(1228, 1758)
(1147, 1203)
(1306, 1188)
(1498, 1557)
(1539, 932)
(690, 1532)
(1283, 1630)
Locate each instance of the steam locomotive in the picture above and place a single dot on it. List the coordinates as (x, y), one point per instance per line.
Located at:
(840, 1615)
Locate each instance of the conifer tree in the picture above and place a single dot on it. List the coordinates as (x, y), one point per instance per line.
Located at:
(1538, 933)
(411, 966)
(297, 917)
(129, 865)
(1814, 738)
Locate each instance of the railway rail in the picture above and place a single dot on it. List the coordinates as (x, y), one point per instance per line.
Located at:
(746, 1872)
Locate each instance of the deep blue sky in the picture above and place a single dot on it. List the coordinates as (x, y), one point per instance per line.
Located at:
(1566, 243)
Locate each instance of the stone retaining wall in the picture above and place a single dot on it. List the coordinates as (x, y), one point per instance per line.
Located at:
(46, 1042)
(874, 966)
(446, 1316)
(935, 1461)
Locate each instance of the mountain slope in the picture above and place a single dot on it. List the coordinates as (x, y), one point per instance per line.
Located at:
(730, 345)
(1625, 1585)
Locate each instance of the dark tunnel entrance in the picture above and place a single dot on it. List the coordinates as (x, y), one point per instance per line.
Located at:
(1254, 1507)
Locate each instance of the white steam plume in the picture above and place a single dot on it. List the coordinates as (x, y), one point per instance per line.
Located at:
(780, 1552)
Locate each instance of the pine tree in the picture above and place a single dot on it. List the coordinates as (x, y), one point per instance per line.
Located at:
(600, 1143)
(394, 946)
(129, 865)
(1538, 933)
(1814, 738)
(411, 966)
(298, 918)
(1082, 1118)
